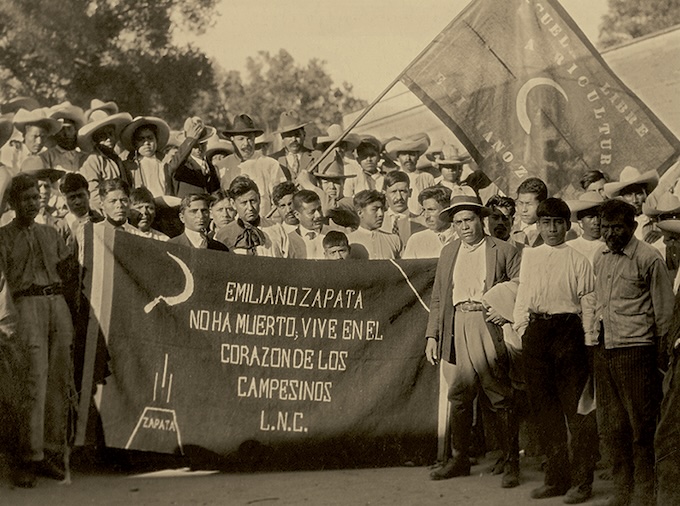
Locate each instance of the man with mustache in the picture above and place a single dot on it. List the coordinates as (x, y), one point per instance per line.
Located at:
(398, 218)
(406, 153)
(306, 241)
(247, 161)
(295, 156)
(429, 243)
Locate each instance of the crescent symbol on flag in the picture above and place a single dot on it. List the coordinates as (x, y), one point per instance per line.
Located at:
(523, 95)
(176, 299)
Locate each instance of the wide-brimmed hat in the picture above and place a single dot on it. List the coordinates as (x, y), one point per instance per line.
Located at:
(119, 121)
(176, 138)
(672, 226)
(451, 155)
(334, 169)
(264, 139)
(668, 203)
(216, 145)
(243, 124)
(128, 133)
(289, 121)
(6, 128)
(67, 110)
(17, 103)
(334, 133)
(24, 118)
(417, 143)
(371, 141)
(587, 200)
(206, 133)
(463, 198)
(630, 176)
(35, 166)
(99, 109)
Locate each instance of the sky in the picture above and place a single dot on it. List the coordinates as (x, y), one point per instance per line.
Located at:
(364, 42)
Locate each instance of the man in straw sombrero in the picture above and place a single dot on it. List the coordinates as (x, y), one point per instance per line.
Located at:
(406, 153)
(295, 156)
(64, 154)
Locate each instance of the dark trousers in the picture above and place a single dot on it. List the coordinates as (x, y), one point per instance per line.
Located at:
(556, 371)
(667, 438)
(628, 390)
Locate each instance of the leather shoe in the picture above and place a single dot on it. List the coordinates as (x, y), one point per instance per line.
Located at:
(578, 494)
(510, 475)
(546, 491)
(23, 476)
(50, 469)
(453, 468)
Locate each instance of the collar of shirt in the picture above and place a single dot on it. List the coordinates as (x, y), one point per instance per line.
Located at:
(196, 238)
(472, 247)
(628, 250)
(304, 233)
(396, 215)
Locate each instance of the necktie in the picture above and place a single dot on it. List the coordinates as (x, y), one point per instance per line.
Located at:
(395, 224)
(311, 235)
(204, 243)
(294, 163)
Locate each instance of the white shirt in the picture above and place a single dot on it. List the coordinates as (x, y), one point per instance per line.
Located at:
(419, 181)
(469, 272)
(266, 173)
(156, 235)
(428, 243)
(552, 280)
(362, 181)
(150, 174)
(587, 248)
(196, 239)
(379, 245)
(313, 245)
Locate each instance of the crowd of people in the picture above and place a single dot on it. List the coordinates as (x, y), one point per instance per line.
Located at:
(568, 304)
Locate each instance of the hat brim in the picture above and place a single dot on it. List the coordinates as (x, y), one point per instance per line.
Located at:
(28, 103)
(230, 133)
(6, 130)
(672, 226)
(77, 119)
(649, 179)
(448, 213)
(109, 108)
(51, 126)
(462, 160)
(53, 175)
(119, 121)
(343, 176)
(321, 142)
(291, 128)
(161, 127)
(400, 147)
(576, 206)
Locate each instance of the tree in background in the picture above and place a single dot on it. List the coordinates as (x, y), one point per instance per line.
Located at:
(275, 83)
(122, 50)
(628, 20)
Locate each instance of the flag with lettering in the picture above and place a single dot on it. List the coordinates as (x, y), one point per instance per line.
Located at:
(227, 353)
(528, 95)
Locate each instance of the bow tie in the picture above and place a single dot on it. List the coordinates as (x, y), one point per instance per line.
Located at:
(250, 238)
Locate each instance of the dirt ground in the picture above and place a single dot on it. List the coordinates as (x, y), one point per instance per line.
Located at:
(384, 486)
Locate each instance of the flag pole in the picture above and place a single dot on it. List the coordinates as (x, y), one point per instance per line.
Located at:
(372, 104)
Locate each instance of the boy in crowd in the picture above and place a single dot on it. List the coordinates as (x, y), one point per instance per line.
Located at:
(369, 241)
(554, 279)
(429, 243)
(143, 212)
(530, 194)
(336, 246)
(194, 213)
(221, 211)
(30, 256)
(114, 195)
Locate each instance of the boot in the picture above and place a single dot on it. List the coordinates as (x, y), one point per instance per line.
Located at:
(461, 427)
(510, 446)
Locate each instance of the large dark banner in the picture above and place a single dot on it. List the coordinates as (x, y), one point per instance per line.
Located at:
(528, 95)
(215, 350)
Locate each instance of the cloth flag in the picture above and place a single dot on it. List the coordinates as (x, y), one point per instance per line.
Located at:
(528, 95)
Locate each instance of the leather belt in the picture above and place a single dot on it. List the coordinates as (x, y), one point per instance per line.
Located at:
(40, 291)
(548, 316)
(470, 306)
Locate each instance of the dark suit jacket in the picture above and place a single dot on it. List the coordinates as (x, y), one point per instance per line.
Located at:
(306, 160)
(183, 240)
(502, 264)
(187, 175)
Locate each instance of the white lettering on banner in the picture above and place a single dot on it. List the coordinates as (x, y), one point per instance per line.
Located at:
(283, 421)
(158, 424)
(213, 321)
(284, 389)
(321, 298)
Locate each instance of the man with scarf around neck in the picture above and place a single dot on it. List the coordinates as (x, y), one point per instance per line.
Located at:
(251, 234)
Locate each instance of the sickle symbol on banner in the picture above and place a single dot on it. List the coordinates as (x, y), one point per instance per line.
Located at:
(176, 299)
(523, 94)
